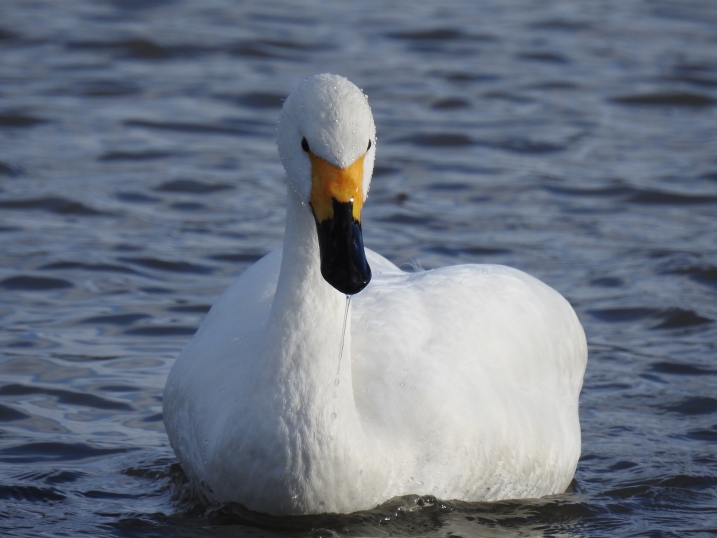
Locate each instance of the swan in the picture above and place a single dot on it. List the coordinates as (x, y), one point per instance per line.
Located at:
(460, 382)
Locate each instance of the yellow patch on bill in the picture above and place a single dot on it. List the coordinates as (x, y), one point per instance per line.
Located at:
(329, 182)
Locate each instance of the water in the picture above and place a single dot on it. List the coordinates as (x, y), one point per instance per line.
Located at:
(343, 336)
(139, 175)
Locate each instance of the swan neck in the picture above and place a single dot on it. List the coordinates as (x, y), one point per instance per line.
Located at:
(306, 324)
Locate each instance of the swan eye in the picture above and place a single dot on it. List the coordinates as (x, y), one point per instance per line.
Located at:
(305, 145)
(369, 145)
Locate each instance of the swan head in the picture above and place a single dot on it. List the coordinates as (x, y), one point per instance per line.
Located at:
(327, 144)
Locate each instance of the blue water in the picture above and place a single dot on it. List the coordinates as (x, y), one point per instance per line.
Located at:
(139, 176)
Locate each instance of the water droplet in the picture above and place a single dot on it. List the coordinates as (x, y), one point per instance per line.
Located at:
(333, 416)
(336, 382)
(343, 335)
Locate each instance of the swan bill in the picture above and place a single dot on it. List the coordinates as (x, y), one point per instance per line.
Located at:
(336, 202)
(343, 259)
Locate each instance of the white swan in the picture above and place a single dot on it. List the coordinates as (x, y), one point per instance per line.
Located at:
(460, 382)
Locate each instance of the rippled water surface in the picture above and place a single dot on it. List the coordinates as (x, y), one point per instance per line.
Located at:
(139, 175)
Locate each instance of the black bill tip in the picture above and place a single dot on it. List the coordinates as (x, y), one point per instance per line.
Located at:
(343, 259)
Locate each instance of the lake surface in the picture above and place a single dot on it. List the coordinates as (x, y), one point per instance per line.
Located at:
(139, 176)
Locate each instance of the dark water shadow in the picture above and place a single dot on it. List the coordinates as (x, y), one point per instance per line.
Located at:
(408, 515)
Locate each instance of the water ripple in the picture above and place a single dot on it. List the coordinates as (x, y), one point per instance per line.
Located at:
(52, 204)
(667, 99)
(55, 452)
(64, 396)
(34, 283)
